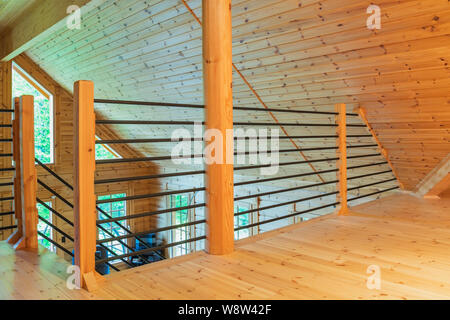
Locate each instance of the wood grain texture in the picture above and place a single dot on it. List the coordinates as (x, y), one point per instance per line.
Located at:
(28, 175)
(217, 68)
(341, 142)
(325, 258)
(85, 213)
(309, 57)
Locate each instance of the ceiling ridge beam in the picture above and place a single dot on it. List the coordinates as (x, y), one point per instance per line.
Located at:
(37, 22)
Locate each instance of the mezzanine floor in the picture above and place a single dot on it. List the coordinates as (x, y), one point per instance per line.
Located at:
(325, 258)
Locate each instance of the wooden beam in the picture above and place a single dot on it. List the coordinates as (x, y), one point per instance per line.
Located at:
(362, 113)
(440, 187)
(27, 176)
(217, 69)
(437, 181)
(37, 22)
(341, 130)
(85, 214)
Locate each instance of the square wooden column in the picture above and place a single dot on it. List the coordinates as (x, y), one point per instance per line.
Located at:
(85, 213)
(341, 121)
(25, 180)
(217, 77)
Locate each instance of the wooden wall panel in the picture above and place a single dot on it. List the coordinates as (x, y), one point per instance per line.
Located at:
(306, 57)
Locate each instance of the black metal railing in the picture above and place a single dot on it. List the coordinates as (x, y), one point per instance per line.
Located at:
(8, 222)
(70, 223)
(318, 196)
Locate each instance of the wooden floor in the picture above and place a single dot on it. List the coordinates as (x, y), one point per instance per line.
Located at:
(327, 258)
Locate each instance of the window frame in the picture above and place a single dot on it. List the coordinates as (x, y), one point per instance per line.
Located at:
(188, 247)
(108, 148)
(125, 223)
(15, 67)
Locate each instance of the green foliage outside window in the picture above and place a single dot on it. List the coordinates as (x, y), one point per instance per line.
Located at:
(115, 210)
(101, 153)
(43, 114)
(180, 217)
(240, 221)
(43, 227)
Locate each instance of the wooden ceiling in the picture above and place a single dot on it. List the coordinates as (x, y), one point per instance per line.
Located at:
(10, 10)
(295, 54)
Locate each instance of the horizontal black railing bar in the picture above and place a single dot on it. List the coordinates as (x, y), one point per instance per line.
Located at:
(46, 168)
(188, 173)
(303, 162)
(151, 195)
(200, 106)
(151, 213)
(6, 110)
(6, 184)
(51, 225)
(166, 140)
(298, 175)
(145, 103)
(55, 212)
(262, 194)
(4, 155)
(158, 230)
(5, 125)
(369, 175)
(144, 159)
(368, 165)
(192, 156)
(6, 199)
(373, 193)
(371, 184)
(7, 228)
(68, 185)
(7, 169)
(297, 213)
(191, 123)
(286, 203)
(362, 146)
(284, 177)
(148, 177)
(6, 140)
(56, 244)
(143, 251)
(165, 193)
(8, 213)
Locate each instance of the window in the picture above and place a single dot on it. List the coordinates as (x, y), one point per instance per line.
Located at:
(114, 209)
(104, 152)
(180, 217)
(24, 84)
(44, 228)
(240, 221)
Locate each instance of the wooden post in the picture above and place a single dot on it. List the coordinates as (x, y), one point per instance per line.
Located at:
(17, 193)
(341, 120)
(85, 214)
(25, 187)
(217, 77)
